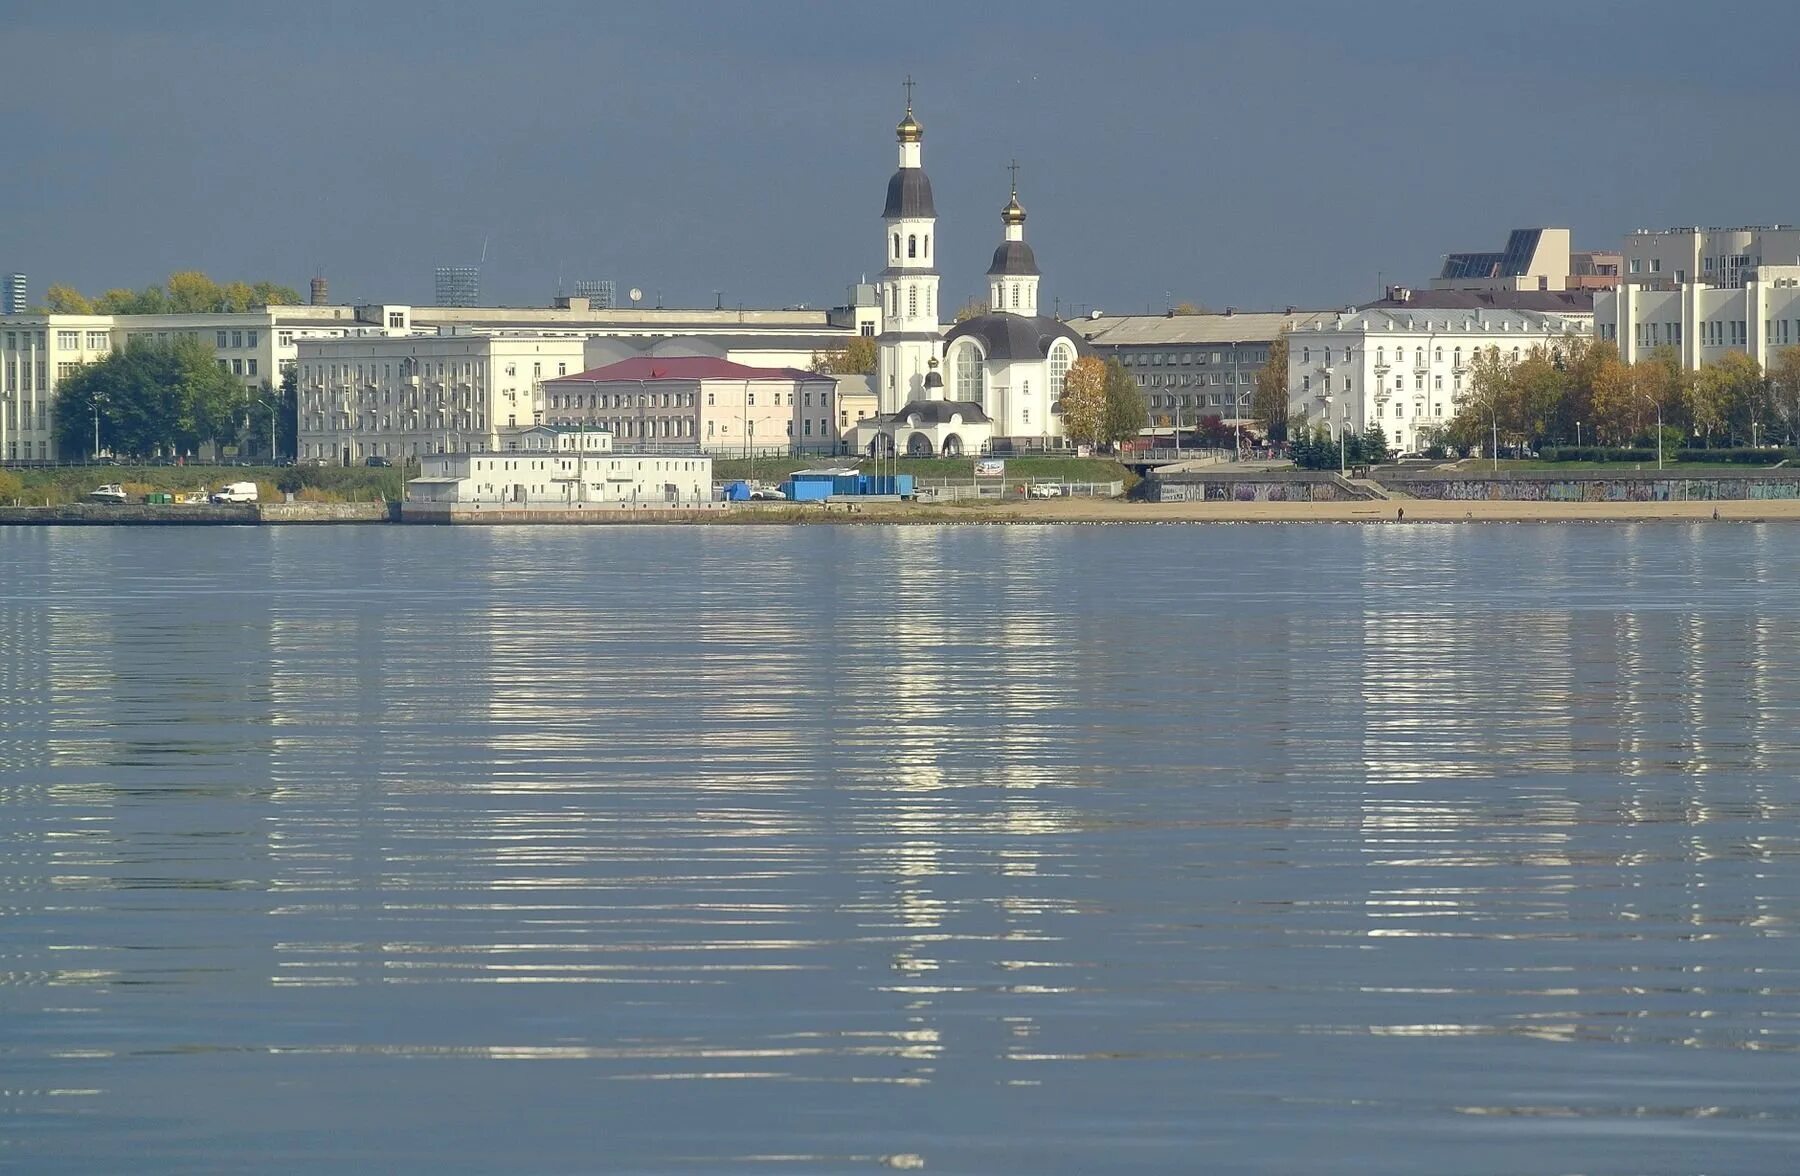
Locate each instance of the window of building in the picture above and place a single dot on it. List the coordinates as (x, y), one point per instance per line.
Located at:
(250, 367)
(912, 301)
(1634, 265)
(223, 338)
(912, 245)
(396, 319)
(1656, 265)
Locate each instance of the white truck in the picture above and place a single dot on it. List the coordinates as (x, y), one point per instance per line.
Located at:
(235, 492)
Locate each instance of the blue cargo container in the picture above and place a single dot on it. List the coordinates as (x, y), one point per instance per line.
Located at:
(818, 485)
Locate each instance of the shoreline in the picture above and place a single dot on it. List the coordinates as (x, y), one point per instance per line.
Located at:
(1408, 511)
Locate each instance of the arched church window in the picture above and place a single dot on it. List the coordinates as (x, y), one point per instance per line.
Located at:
(930, 301)
(894, 294)
(1059, 368)
(927, 244)
(912, 301)
(896, 246)
(912, 245)
(1015, 295)
(968, 373)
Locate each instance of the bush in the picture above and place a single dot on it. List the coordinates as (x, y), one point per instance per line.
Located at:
(11, 485)
(1596, 453)
(1740, 456)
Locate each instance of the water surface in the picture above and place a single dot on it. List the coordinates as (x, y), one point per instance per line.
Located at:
(1030, 849)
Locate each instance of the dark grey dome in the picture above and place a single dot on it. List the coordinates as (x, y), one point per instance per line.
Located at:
(940, 412)
(1015, 258)
(1016, 336)
(909, 194)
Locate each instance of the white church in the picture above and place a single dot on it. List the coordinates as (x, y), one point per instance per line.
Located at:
(994, 382)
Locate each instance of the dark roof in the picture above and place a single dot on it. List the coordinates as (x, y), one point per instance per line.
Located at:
(909, 194)
(1016, 336)
(1013, 257)
(939, 412)
(1552, 301)
(1521, 246)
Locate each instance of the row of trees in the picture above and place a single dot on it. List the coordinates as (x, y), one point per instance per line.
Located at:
(186, 292)
(1579, 390)
(166, 398)
(1317, 449)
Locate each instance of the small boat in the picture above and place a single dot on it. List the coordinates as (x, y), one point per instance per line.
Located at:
(112, 493)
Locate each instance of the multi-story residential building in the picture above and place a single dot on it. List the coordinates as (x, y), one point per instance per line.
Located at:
(1668, 258)
(1192, 366)
(1406, 371)
(1760, 316)
(404, 396)
(18, 296)
(723, 407)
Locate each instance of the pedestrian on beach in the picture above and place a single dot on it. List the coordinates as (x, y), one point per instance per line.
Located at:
(1399, 514)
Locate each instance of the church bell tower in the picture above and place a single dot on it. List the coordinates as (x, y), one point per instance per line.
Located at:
(910, 338)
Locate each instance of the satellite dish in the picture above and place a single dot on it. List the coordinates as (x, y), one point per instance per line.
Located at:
(637, 295)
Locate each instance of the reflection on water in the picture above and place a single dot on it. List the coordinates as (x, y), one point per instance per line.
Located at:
(1037, 849)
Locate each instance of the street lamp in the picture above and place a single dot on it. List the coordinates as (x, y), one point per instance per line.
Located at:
(1343, 466)
(1578, 434)
(1659, 429)
(97, 399)
(1494, 417)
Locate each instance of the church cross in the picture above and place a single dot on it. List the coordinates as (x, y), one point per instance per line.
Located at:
(909, 90)
(1013, 167)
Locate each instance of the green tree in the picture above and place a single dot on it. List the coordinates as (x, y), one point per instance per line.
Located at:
(1127, 412)
(1727, 396)
(855, 357)
(1269, 401)
(187, 291)
(285, 401)
(1784, 396)
(973, 308)
(61, 299)
(1373, 446)
(148, 397)
(1084, 400)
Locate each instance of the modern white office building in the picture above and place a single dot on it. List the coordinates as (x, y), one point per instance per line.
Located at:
(1725, 257)
(1406, 372)
(1759, 315)
(405, 396)
(549, 467)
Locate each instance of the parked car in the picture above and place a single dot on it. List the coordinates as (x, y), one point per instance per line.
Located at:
(234, 492)
(376, 461)
(1046, 490)
(767, 494)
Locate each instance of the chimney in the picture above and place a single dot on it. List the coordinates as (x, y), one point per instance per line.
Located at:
(321, 291)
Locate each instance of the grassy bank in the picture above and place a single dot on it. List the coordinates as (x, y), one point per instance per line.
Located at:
(36, 487)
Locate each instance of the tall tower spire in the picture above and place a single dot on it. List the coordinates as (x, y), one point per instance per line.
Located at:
(910, 337)
(1013, 276)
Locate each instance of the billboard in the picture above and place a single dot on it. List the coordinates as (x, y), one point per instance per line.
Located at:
(990, 467)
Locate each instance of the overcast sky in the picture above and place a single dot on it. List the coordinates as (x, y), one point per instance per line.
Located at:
(1252, 155)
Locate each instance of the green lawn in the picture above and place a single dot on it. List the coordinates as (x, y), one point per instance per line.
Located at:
(73, 483)
(1478, 466)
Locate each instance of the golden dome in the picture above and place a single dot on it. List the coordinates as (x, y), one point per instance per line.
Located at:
(1014, 212)
(909, 130)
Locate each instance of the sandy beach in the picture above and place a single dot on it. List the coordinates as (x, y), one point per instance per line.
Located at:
(1398, 511)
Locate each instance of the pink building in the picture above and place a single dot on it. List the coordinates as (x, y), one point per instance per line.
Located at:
(722, 407)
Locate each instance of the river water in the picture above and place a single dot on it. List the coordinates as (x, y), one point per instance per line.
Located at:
(977, 849)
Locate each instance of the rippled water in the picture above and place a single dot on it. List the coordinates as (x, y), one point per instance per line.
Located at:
(1075, 849)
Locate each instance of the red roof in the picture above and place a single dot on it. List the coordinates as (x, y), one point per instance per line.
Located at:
(687, 367)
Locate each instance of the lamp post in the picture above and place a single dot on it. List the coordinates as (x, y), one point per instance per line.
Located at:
(1578, 434)
(96, 452)
(1494, 417)
(1659, 429)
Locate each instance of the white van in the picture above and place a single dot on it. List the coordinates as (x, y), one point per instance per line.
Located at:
(235, 492)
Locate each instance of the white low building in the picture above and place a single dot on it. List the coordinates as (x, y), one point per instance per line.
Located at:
(549, 467)
(1406, 371)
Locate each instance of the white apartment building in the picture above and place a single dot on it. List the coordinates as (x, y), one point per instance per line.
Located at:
(1406, 371)
(1760, 316)
(1668, 258)
(549, 467)
(405, 396)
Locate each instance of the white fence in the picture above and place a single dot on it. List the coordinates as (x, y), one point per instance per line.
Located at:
(945, 491)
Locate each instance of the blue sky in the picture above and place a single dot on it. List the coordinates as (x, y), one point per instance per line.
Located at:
(1252, 155)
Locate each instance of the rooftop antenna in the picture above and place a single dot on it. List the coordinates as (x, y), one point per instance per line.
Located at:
(484, 242)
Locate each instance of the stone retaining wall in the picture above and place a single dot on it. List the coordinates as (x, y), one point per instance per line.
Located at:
(96, 514)
(329, 512)
(556, 516)
(1262, 486)
(1599, 486)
